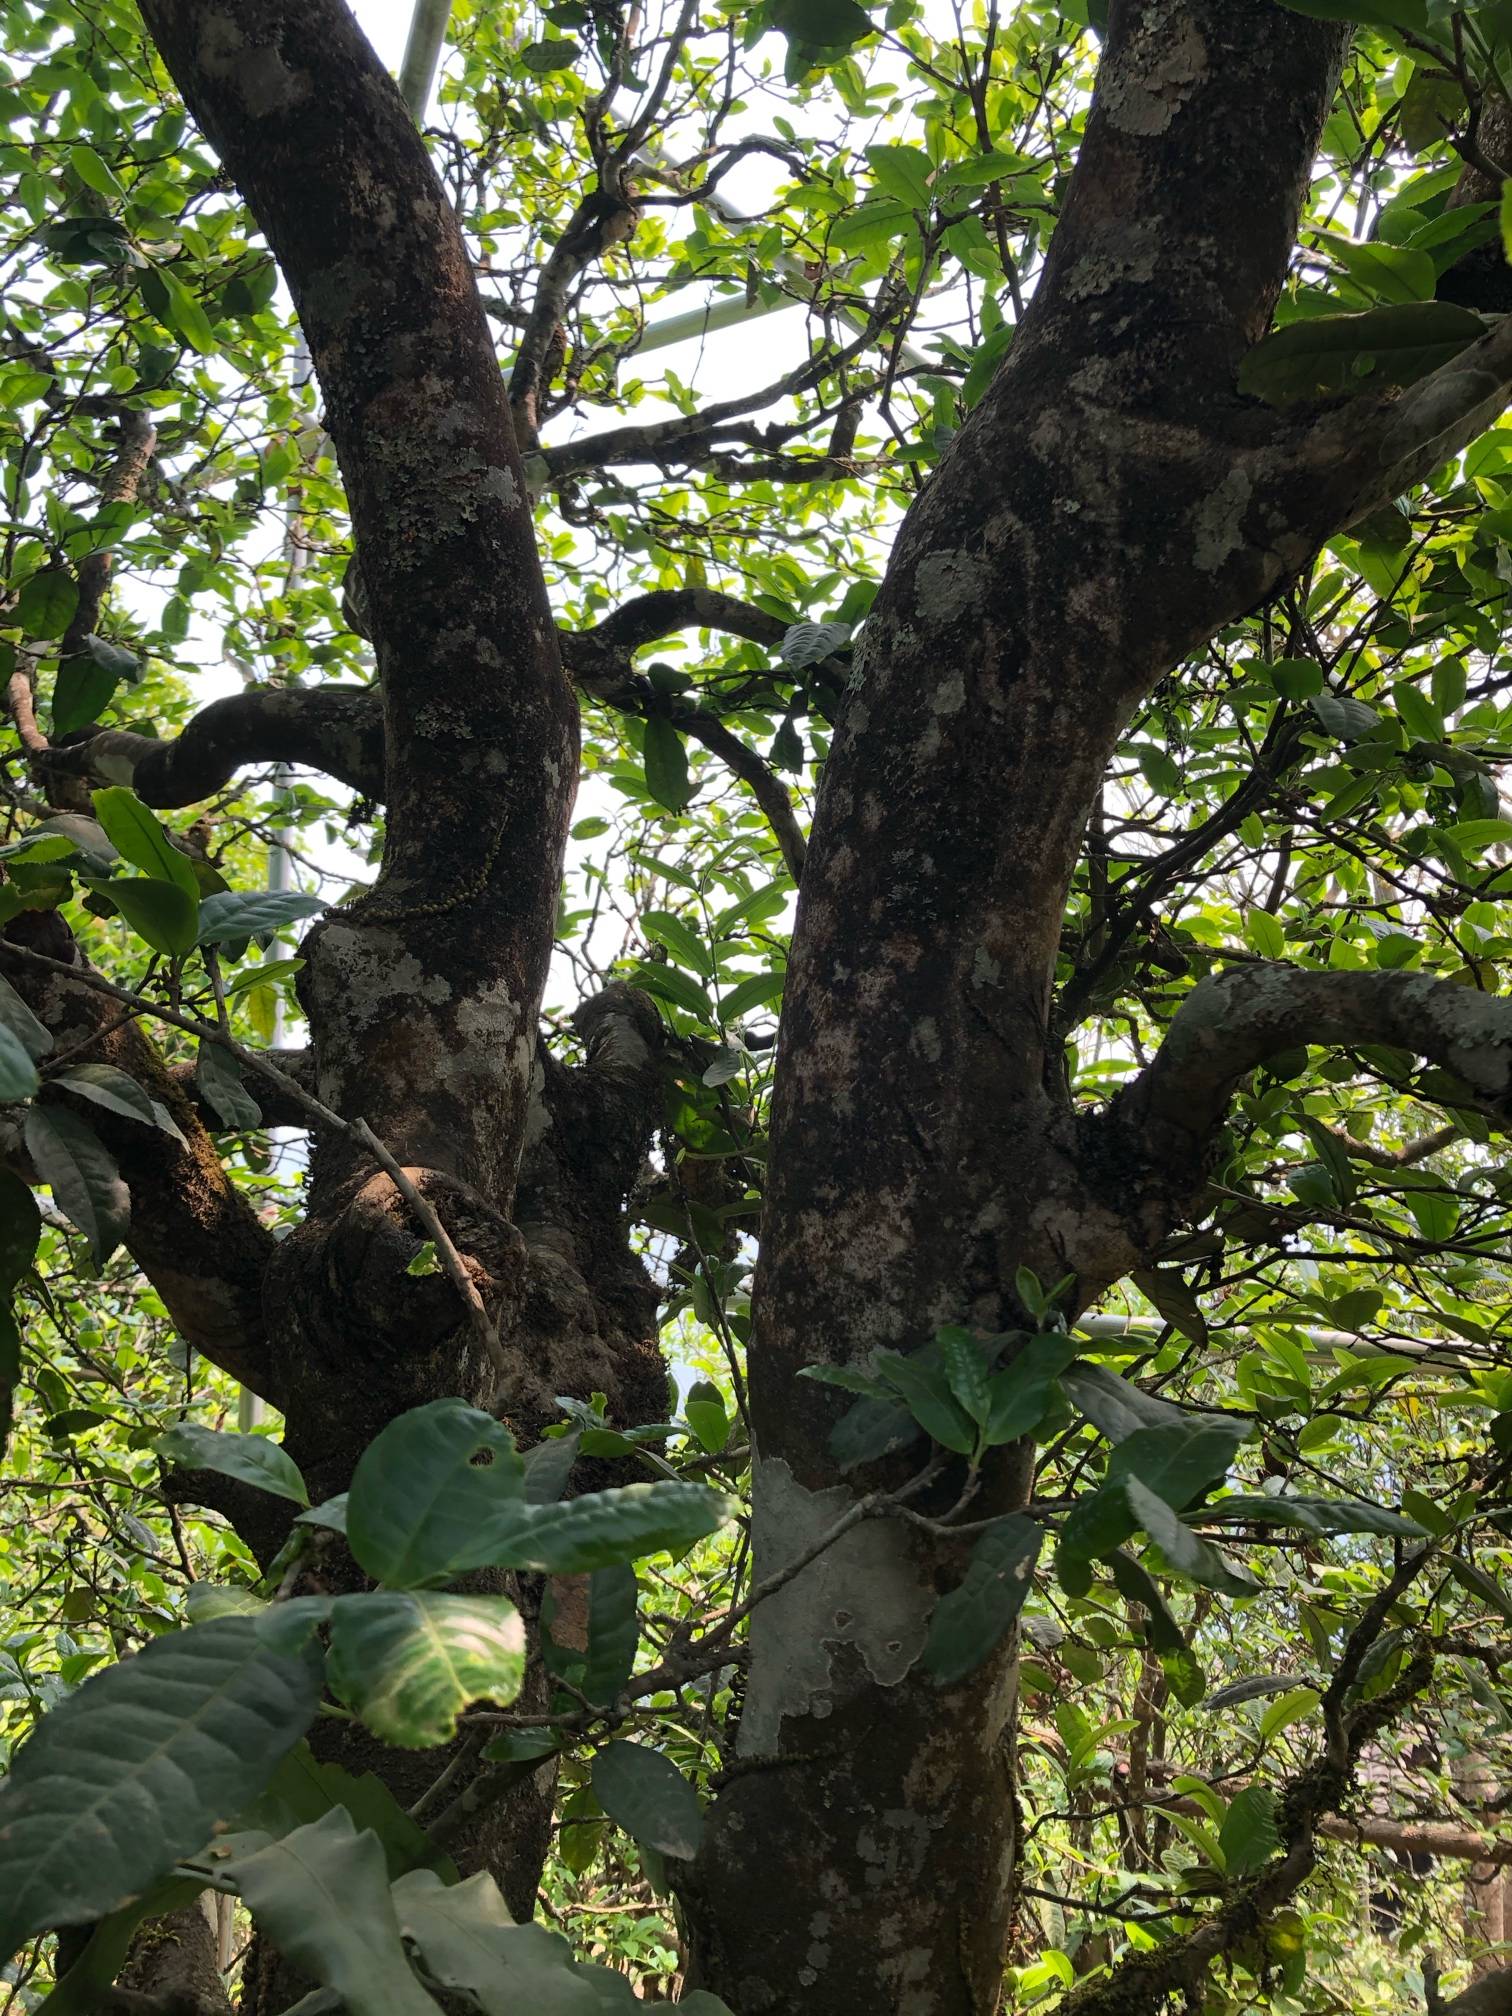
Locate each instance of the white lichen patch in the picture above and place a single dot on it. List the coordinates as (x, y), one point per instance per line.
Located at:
(950, 586)
(867, 1592)
(1165, 62)
(1217, 523)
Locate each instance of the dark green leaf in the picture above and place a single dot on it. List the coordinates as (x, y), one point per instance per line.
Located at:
(81, 693)
(1181, 1459)
(19, 1019)
(922, 1385)
(322, 1896)
(613, 1632)
(549, 55)
(86, 1184)
(1324, 356)
(972, 1620)
(254, 1459)
(870, 1430)
(469, 1944)
(1186, 1554)
(1249, 1836)
(1323, 1516)
(219, 1079)
(666, 761)
(132, 1772)
(45, 606)
(18, 1074)
(649, 1797)
(20, 1229)
(104, 1085)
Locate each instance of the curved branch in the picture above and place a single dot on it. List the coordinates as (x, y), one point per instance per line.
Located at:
(335, 729)
(1230, 1023)
(657, 614)
(754, 771)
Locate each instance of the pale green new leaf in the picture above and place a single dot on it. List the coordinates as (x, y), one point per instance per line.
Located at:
(409, 1662)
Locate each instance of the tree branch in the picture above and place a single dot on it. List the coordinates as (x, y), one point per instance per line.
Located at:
(1230, 1023)
(334, 729)
(191, 1232)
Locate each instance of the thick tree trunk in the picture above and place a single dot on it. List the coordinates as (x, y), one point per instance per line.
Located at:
(1082, 532)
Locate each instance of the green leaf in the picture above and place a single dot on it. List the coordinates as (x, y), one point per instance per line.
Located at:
(45, 607)
(925, 1390)
(666, 764)
(20, 1229)
(142, 840)
(613, 1632)
(904, 174)
(1117, 1406)
(1348, 720)
(1023, 1392)
(177, 309)
(1322, 1516)
(1325, 356)
(1186, 1554)
(18, 1074)
(972, 1620)
(254, 1459)
(603, 1527)
(966, 1372)
(685, 945)
(81, 693)
(1249, 1836)
(86, 1184)
(159, 912)
(104, 1085)
(1470, 1575)
(425, 1487)
(19, 1019)
(1256, 1688)
(237, 914)
(469, 1944)
(132, 1772)
(219, 1079)
(1181, 1459)
(1136, 1585)
(322, 1896)
(649, 1797)
(409, 1663)
(756, 992)
(95, 173)
(705, 1412)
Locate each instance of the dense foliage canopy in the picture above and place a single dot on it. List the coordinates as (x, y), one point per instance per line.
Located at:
(749, 270)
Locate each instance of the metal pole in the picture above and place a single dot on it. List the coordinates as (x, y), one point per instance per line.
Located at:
(422, 54)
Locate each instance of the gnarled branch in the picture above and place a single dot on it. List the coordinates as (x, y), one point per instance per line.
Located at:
(1230, 1023)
